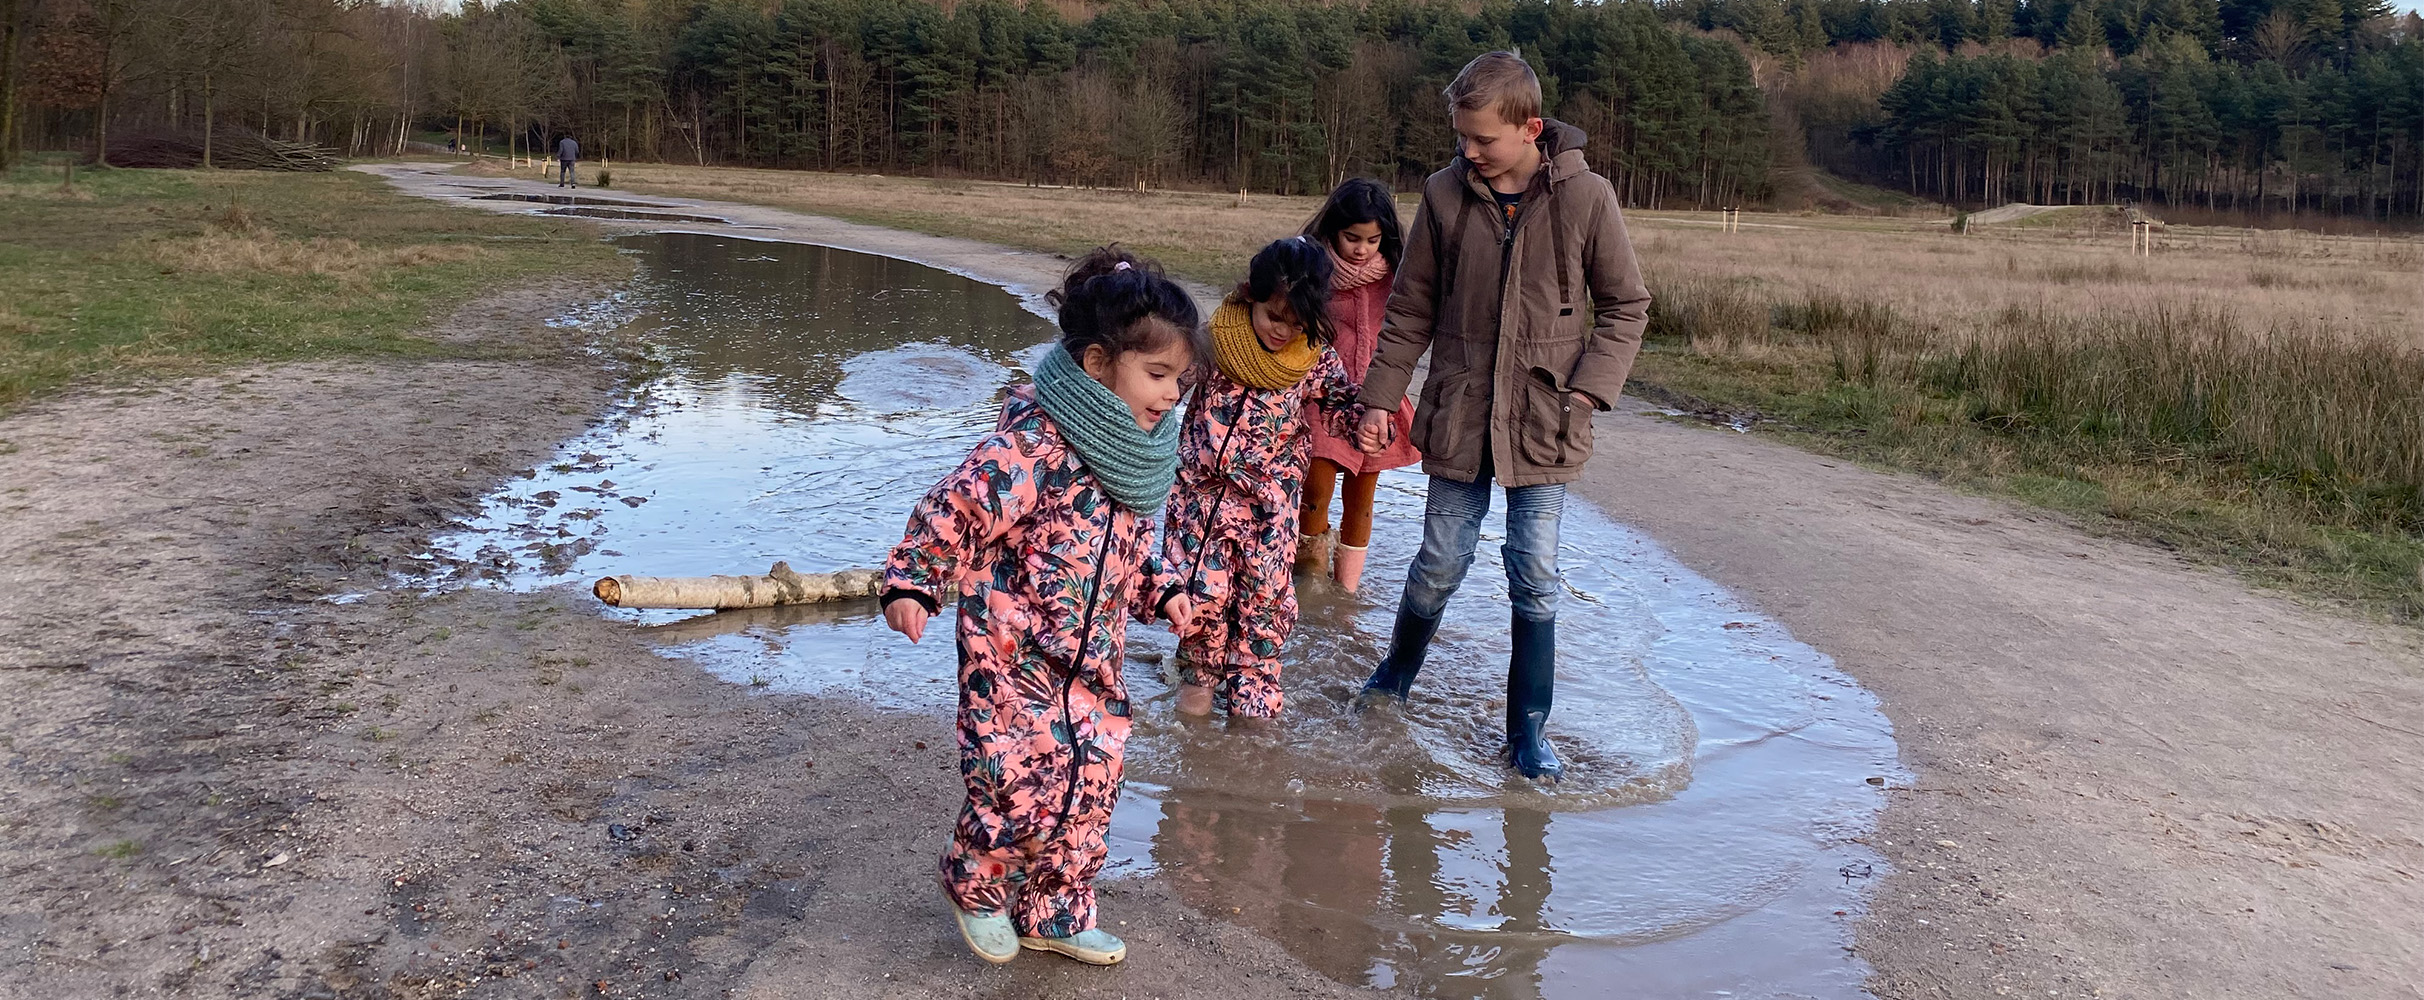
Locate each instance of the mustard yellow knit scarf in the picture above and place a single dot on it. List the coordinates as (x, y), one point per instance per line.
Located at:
(1242, 356)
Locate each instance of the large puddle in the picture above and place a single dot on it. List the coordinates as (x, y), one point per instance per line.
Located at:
(1721, 773)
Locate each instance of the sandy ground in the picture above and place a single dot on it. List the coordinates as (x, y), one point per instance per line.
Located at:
(2131, 777)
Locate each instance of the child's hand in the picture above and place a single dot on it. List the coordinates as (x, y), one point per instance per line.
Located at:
(907, 617)
(1181, 612)
(1372, 434)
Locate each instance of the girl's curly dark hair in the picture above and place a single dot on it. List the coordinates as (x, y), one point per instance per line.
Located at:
(1298, 270)
(1121, 302)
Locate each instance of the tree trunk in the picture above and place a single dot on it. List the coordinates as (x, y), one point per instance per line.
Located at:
(10, 11)
(101, 129)
(209, 108)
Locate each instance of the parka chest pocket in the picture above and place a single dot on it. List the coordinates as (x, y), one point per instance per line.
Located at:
(1556, 428)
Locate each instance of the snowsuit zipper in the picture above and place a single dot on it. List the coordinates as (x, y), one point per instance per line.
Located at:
(1220, 468)
(1085, 638)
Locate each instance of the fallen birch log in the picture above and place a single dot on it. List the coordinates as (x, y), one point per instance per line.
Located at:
(778, 586)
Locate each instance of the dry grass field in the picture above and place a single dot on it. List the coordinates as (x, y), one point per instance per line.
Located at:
(181, 270)
(2248, 398)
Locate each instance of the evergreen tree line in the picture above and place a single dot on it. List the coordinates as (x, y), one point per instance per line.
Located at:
(2307, 104)
(2285, 31)
(2256, 105)
(1270, 95)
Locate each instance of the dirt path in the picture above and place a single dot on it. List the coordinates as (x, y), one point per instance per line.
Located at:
(2156, 783)
(228, 777)
(2133, 778)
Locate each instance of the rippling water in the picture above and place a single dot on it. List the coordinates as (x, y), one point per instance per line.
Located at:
(1719, 769)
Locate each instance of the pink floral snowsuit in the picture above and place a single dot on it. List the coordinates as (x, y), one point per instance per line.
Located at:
(1048, 569)
(1230, 540)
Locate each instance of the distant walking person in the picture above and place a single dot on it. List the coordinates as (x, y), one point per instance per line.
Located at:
(567, 151)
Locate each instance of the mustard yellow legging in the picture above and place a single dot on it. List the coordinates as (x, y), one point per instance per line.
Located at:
(1355, 521)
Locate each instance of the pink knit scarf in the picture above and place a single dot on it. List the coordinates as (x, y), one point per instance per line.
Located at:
(1345, 276)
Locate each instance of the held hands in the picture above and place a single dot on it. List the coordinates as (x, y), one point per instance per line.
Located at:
(1181, 612)
(1373, 433)
(907, 617)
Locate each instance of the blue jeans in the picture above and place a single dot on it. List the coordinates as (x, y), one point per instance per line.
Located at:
(1451, 531)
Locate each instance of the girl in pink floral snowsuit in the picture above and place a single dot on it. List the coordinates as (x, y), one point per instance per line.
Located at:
(1230, 542)
(1043, 532)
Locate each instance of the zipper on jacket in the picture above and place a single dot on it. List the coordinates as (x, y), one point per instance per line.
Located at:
(1506, 272)
(1085, 637)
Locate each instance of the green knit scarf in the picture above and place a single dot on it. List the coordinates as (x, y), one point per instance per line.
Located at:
(1136, 466)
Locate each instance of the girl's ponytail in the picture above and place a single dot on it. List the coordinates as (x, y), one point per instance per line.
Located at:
(1120, 302)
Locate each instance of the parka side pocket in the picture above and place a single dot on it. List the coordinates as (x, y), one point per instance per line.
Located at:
(1447, 416)
(1556, 423)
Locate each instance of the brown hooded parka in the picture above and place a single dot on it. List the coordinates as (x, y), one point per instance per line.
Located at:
(1530, 325)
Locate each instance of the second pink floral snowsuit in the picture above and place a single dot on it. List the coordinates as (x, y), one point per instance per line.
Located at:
(1230, 538)
(1048, 569)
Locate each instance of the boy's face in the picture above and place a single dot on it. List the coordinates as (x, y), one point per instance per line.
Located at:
(1495, 145)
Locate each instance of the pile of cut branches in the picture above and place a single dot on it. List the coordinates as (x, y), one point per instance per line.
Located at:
(231, 148)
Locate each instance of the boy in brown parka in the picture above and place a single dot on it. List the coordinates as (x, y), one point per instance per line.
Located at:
(1520, 281)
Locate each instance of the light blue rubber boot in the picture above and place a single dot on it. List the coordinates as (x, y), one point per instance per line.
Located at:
(1094, 947)
(990, 936)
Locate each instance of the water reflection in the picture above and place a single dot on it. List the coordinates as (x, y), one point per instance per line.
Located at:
(1390, 851)
(805, 395)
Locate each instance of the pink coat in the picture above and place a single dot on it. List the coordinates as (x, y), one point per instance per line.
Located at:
(1356, 314)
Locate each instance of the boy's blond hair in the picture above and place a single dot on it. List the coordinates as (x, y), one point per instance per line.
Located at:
(1501, 81)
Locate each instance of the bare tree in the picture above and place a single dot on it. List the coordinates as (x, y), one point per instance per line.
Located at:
(210, 41)
(1353, 106)
(17, 18)
(2279, 37)
(1149, 129)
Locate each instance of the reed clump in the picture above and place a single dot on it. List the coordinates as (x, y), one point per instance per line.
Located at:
(2289, 450)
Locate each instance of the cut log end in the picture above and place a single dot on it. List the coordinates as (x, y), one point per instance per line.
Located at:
(610, 591)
